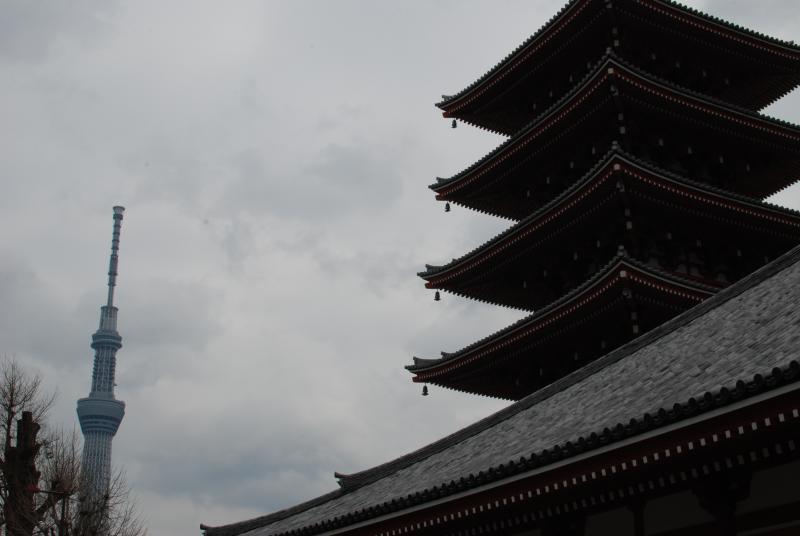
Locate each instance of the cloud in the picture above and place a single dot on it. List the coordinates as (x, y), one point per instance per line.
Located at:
(29, 30)
(760, 17)
(274, 159)
(328, 183)
(172, 312)
(35, 319)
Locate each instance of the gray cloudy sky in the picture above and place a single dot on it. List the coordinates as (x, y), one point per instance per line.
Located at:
(273, 157)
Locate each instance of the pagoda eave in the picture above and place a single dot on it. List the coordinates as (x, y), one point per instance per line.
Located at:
(620, 77)
(478, 103)
(576, 199)
(622, 263)
(620, 286)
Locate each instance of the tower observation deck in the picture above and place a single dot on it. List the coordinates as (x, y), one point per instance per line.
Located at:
(100, 414)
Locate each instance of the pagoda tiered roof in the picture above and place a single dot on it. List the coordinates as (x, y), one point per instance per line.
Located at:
(468, 274)
(506, 181)
(756, 69)
(660, 409)
(606, 299)
(659, 360)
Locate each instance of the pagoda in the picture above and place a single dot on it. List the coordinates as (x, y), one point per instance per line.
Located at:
(656, 376)
(635, 172)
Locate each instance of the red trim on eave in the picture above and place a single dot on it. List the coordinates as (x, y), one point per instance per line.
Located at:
(621, 271)
(621, 73)
(680, 455)
(710, 198)
(552, 317)
(511, 239)
(496, 77)
(695, 21)
(523, 141)
(716, 111)
(689, 19)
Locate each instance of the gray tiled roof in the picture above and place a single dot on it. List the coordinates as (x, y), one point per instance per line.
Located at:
(749, 328)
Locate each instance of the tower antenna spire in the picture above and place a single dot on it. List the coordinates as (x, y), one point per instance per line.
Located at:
(112, 262)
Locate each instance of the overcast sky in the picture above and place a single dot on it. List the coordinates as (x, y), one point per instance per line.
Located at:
(273, 158)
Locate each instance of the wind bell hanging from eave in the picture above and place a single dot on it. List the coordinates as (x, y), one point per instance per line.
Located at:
(424, 390)
(437, 296)
(454, 124)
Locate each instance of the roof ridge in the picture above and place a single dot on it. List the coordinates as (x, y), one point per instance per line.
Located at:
(649, 420)
(235, 529)
(370, 475)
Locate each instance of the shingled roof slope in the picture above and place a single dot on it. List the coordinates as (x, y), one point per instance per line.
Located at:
(747, 329)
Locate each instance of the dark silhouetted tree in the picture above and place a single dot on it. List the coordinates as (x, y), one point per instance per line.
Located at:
(40, 473)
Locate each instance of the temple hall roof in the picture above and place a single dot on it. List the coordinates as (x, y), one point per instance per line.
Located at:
(738, 344)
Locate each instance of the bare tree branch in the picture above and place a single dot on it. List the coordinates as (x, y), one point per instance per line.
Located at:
(40, 478)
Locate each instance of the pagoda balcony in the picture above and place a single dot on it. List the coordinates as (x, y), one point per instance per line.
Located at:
(726, 146)
(737, 65)
(660, 218)
(619, 302)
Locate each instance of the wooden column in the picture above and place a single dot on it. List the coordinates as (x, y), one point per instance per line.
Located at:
(636, 506)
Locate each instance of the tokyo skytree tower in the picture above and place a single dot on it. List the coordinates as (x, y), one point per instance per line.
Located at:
(100, 414)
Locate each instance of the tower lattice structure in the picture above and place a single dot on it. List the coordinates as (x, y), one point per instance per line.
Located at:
(100, 414)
